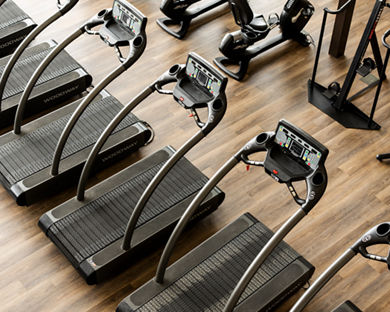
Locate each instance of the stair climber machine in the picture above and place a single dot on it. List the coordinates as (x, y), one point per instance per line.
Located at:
(93, 229)
(61, 81)
(239, 47)
(378, 235)
(15, 25)
(26, 154)
(334, 100)
(209, 275)
(180, 13)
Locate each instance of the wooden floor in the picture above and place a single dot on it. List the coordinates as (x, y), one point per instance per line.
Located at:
(35, 276)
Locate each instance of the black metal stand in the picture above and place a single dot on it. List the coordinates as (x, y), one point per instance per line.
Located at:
(387, 33)
(336, 103)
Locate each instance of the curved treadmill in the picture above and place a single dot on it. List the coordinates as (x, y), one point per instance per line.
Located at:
(15, 25)
(90, 229)
(206, 278)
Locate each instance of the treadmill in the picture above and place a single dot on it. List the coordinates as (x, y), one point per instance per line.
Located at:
(210, 276)
(378, 235)
(26, 156)
(91, 228)
(15, 25)
(31, 61)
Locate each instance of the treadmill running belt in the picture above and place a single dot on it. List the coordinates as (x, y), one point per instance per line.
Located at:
(103, 221)
(10, 14)
(207, 286)
(33, 152)
(26, 66)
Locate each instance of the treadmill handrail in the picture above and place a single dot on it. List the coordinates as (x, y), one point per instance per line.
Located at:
(67, 6)
(96, 20)
(104, 137)
(187, 215)
(321, 281)
(251, 147)
(378, 235)
(63, 9)
(131, 225)
(137, 47)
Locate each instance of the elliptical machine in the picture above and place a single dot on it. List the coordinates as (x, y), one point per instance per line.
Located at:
(178, 12)
(237, 46)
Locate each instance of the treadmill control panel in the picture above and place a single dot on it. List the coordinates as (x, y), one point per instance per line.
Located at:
(293, 154)
(297, 147)
(126, 17)
(203, 77)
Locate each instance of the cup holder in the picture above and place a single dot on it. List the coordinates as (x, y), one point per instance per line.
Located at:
(217, 105)
(262, 138)
(174, 69)
(137, 42)
(383, 229)
(318, 178)
(102, 13)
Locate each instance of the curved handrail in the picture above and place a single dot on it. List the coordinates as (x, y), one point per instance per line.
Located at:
(35, 77)
(63, 9)
(165, 169)
(321, 281)
(103, 138)
(21, 48)
(134, 54)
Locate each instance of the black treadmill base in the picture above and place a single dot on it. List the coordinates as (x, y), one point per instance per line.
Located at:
(350, 117)
(347, 306)
(111, 258)
(290, 272)
(31, 186)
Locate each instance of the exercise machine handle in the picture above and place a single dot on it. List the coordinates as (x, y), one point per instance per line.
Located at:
(166, 78)
(94, 21)
(137, 47)
(253, 146)
(321, 281)
(63, 9)
(66, 6)
(339, 10)
(384, 37)
(378, 235)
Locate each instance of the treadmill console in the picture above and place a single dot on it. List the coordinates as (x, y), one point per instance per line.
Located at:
(126, 17)
(201, 83)
(294, 153)
(124, 24)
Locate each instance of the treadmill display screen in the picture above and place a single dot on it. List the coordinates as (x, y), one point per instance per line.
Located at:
(202, 76)
(297, 147)
(126, 18)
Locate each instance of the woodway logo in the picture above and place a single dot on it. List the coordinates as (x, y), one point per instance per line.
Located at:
(11, 42)
(60, 94)
(120, 151)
